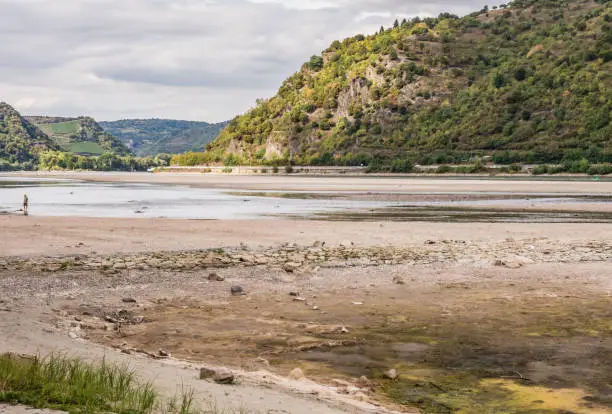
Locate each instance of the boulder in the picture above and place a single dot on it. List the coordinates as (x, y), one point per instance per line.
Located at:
(291, 267)
(215, 277)
(237, 291)
(219, 375)
(296, 374)
(391, 374)
(128, 300)
(398, 280)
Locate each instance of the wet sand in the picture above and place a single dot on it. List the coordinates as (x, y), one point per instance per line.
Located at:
(360, 184)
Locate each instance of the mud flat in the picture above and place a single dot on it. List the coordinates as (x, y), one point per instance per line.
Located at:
(474, 317)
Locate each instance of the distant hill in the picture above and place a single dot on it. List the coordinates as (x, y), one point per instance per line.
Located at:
(20, 141)
(528, 82)
(82, 135)
(154, 136)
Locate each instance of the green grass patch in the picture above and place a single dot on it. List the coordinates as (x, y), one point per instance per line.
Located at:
(92, 148)
(63, 128)
(75, 386)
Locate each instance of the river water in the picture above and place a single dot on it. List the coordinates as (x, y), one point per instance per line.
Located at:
(53, 197)
(68, 197)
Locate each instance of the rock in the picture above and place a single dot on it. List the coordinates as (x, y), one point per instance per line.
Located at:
(294, 294)
(299, 299)
(128, 300)
(291, 267)
(297, 374)
(357, 303)
(224, 376)
(341, 383)
(364, 382)
(341, 329)
(391, 374)
(237, 291)
(163, 354)
(215, 277)
(219, 375)
(318, 243)
(346, 243)
(398, 280)
(206, 373)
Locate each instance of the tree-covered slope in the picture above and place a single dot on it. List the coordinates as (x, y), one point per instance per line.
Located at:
(154, 136)
(529, 82)
(82, 135)
(20, 141)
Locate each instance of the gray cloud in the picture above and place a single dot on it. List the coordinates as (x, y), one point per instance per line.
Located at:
(189, 59)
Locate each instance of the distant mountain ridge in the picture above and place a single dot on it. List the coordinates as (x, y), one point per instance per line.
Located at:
(20, 140)
(148, 137)
(79, 135)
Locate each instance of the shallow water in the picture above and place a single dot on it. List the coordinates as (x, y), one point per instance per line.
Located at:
(65, 197)
(51, 197)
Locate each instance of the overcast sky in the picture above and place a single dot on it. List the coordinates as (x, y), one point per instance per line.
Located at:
(184, 59)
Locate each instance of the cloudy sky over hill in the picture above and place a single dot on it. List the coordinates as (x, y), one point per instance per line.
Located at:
(189, 59)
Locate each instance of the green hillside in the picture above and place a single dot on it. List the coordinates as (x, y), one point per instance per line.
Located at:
(81, 135)
(154, 136)
(529, 82)
(20, 141)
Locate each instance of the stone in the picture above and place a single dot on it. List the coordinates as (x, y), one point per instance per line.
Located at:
(219, 375)
(291, 267)
(346, 243)
(224, 376)
(296, 294)
(296, 374)
(391, 374)
(341, 383)
(237, 291)
(398, 280)
(128, 300)
(364, 382)
(215, 277)
(163, 354)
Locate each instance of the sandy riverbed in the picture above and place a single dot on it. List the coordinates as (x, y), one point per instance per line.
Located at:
(459, 309)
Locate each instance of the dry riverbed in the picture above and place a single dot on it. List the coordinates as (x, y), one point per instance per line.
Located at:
(520, 324)
(327, 316)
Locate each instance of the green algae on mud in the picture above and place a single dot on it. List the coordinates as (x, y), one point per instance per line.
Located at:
(533, 356)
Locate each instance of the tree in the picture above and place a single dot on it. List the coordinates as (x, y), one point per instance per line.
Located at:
(499, 81)
(396, 24)
(520, 74)
(315, 63)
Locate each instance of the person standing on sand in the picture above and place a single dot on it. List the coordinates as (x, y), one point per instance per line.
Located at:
(25, 204)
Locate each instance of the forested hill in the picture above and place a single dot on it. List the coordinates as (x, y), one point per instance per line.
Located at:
(528, 82)
(82, 135)
(154, 136)
(20, 141)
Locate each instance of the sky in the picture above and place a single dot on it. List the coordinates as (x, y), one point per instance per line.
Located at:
(206, 60)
